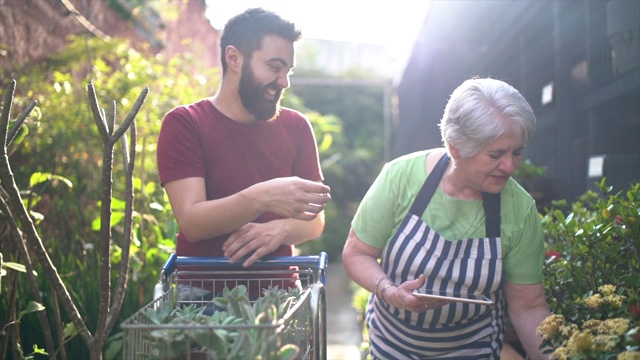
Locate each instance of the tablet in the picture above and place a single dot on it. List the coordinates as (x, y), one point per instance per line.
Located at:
(451, 296)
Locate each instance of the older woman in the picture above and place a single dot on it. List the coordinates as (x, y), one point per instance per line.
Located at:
(453, 219)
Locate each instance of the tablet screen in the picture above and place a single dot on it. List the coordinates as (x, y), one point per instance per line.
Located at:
(446, 295)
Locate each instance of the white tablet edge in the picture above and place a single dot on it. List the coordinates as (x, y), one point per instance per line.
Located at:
(485, 301)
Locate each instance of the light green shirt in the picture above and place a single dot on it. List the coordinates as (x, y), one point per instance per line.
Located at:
(387, 202)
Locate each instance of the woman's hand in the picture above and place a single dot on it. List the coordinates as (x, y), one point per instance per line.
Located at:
(402, 297)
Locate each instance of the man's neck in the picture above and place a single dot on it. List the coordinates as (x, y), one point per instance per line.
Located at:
(228, 103)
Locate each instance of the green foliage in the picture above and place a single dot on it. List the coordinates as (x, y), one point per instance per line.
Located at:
(32, 307)
(535, 180)
(595, 246)
(350, 120)
(32, 355)
(597, 243)
(528, 171)
(243, 330)
(57, 161)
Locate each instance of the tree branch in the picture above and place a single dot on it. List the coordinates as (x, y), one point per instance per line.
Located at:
(28, 227)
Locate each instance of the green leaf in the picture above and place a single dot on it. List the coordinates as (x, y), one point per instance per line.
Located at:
(150, 187)
(116, 217)
(95, 224)
(288, 352)
(69, 330)
(37, 350)
(32, 307)
(39, 178)
(118, 204)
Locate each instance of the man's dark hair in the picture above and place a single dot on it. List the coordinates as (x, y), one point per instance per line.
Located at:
(245, 31)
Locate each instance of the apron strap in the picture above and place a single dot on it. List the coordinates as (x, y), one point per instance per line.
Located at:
(490, 202)
(429, 187)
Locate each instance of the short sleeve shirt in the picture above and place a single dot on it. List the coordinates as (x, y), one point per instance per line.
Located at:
(197, 140)
(388, 200)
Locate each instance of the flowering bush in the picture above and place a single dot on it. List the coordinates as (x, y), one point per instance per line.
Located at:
(593, 247)
(597, 243)
(607, 327)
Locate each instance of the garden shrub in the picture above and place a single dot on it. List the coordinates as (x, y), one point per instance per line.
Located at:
(592, 276)
(597, 243)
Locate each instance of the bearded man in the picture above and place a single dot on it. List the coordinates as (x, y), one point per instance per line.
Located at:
(241, 172)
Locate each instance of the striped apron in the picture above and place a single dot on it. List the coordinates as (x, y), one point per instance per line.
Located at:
(457, 330)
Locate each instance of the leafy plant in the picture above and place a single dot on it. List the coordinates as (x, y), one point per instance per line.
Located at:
(597, 243)
(32, 307)
(55, 141)
(595, 246)
(27, 241)
(239, 330)
(606, 326)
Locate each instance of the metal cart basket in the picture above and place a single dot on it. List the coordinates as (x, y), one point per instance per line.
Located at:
(302, 327)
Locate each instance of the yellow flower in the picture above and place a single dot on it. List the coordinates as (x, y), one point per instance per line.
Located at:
(592, 325)
(607, 343)
(550, 326)
(580, 343)
(614, 300)
(629, 355)
(594, 301)
(561, 353)
(617, 326)
(607, 290)
(568, 329)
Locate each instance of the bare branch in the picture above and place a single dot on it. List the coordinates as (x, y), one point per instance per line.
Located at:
(112, 118)
(16, 126)
(132, 114)
(6, 112)
(98, 116)
(123, 275)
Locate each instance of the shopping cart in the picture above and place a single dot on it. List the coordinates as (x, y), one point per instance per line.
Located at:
(303, 325)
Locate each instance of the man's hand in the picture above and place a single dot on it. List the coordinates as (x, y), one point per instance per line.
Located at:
(259, 239)
(291, 197)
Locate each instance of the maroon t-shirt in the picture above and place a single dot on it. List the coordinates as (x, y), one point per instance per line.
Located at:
(197, 140)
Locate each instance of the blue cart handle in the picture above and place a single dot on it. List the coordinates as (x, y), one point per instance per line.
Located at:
(317, 261)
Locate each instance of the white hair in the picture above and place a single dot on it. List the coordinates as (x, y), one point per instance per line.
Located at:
(481, 110)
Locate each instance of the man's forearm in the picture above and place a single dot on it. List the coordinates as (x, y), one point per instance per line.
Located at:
(299, 231)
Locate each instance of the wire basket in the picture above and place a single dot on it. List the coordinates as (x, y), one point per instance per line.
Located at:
(301, 329)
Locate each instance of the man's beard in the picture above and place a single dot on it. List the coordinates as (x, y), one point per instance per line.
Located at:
(252, 94)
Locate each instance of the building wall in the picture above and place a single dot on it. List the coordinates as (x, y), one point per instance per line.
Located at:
(586, 51)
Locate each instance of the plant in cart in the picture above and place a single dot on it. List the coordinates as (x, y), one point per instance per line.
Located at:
(236, 332)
